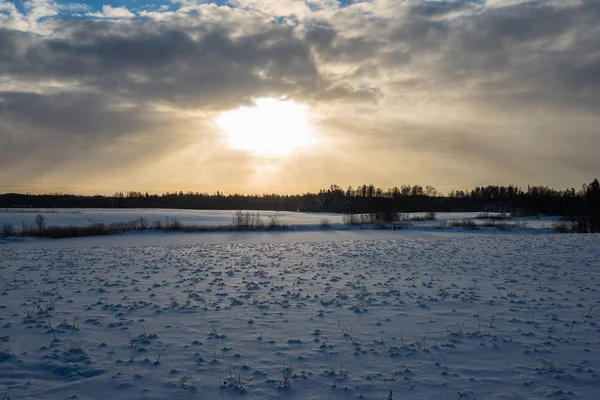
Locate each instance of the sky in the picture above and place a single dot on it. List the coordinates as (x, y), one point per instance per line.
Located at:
(107, 96)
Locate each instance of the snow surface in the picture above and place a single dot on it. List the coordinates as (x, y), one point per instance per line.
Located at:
(84, 217)
(423, 314)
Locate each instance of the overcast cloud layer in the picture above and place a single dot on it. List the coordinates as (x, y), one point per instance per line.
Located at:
(97, 98)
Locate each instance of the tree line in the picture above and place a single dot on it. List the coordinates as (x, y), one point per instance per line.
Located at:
(362, 199)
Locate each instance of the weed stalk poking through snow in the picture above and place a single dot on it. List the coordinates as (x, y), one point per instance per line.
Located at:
(287, 372)
(236, 380)
(133, 345)
(347, 333)
(159, 354)
(188, 381)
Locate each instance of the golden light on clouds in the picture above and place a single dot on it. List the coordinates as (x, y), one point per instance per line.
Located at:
(270, 127)
(453, 94)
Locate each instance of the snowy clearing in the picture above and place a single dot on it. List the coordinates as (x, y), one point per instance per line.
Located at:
(301, 316)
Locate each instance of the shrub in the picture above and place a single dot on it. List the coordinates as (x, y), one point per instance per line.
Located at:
(237, 221)
(62, 232)
(471, 224)
(574, 224)
(350, 219)
(503, 225)
(401, 224)
(367, 218)
(465, 223)
(248, 220)
(173, 224)
(7, 230)
(442, 224)
(403, 217)
(431, 216)
(362, 219)
(156, 225)
(385, 216)
(142, 223)
(274, 222)
(562, 225)
(40, 222)
(499, 217)
(100, 229)
(325, 223)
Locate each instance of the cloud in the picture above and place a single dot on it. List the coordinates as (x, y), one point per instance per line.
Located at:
(472, 83)
(299, 8)
(203, 66)
(112, 13)
(38, 9)
(74, 7)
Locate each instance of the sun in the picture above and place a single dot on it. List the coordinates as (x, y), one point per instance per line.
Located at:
(269, 127)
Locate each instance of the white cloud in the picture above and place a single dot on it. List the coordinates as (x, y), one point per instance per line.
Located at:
(38, 16)
(38, 9)
(297, 8)
(10, 17)
(109, 12)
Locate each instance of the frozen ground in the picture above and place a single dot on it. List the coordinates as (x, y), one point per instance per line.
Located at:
(359, 314)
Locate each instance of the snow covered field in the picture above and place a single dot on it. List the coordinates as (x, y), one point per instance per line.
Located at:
(298, 220)
(301, 315)
(82, 217)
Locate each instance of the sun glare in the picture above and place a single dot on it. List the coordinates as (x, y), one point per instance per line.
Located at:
(270, 127)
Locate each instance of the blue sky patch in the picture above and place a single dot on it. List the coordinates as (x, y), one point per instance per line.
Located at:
(82, 7)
